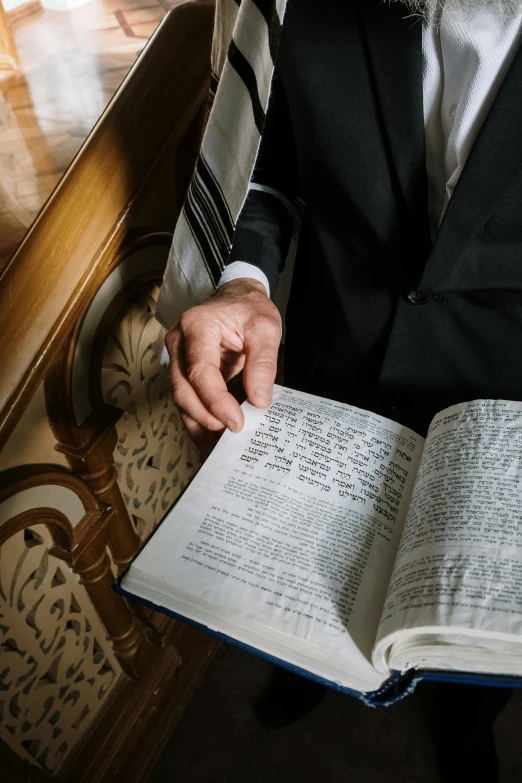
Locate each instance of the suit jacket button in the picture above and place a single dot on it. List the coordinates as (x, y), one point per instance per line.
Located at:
(416, 298)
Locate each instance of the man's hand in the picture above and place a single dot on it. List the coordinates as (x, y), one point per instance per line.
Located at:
(238, 328)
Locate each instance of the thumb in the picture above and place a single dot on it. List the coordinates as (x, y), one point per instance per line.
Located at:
(261, 348)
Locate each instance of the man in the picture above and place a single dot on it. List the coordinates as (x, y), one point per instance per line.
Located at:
(401, 136)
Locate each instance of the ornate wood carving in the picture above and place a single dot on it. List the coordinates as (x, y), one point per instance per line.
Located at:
(57, 669)
(154, 456)
(89, 444)
(151, 438)
(84, 549)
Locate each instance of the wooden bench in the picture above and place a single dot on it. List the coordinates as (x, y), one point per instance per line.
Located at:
(92, 449)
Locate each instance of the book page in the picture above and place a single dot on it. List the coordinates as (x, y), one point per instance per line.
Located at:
(459, 563)
(295, 521)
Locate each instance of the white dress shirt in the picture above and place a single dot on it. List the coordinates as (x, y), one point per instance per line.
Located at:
(466, 54)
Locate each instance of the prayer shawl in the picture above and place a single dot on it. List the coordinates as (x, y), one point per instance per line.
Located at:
(244, 50)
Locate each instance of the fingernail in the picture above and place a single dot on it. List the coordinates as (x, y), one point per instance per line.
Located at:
(263, 394)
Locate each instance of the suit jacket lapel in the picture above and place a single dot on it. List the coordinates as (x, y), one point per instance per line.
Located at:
(394, 45)
(493, 163)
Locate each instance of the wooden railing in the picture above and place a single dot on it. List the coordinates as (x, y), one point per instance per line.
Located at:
(93, 450)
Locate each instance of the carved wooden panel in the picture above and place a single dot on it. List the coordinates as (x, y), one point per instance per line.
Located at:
(57, 666)
(154, 457)
(58, 662)
(67, 640)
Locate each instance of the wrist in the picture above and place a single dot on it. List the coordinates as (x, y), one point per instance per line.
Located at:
(241, 286)
(238, 270)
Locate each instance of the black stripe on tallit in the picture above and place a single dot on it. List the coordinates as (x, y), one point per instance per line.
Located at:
(245, 71)
(271, 17)
(218, 231)
(200, 233)
(217, 196)
(214, 83)
(215, 232)
(200, 241)
(210, 217)
(193, 225)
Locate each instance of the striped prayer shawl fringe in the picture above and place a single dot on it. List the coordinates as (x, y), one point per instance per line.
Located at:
(249, 32)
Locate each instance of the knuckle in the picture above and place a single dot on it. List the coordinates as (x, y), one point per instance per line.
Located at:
(201, 425)
(188, 320)
(266, 352)
(210, 424)
(181, 399)
(195, 371)
(267, 326)
(265, 364)
(197, 326)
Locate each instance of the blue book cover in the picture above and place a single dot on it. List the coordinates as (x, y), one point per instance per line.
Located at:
(397, 687)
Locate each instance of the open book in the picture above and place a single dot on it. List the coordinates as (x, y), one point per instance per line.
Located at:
(344, 544)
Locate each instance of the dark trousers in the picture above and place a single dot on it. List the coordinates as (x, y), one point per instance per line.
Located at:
(461, 718)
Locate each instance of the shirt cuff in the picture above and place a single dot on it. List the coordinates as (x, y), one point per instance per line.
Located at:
(238, 269)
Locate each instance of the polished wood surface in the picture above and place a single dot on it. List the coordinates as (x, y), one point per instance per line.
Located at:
(56, 268)
(8, 55)
(71, 64)
(24, 11)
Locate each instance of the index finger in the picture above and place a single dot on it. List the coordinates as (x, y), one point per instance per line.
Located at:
(202, 362)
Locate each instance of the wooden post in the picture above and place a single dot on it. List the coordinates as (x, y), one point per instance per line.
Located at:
(93, 462)
(91, 562)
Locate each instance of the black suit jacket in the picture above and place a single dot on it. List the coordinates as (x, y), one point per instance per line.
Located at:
(378, 315)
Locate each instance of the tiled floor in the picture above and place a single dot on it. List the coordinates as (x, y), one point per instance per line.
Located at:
(72, 64)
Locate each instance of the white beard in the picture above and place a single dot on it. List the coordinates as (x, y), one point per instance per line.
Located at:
(427, 9)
